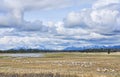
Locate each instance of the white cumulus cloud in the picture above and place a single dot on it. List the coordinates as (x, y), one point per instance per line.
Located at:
(97, 24)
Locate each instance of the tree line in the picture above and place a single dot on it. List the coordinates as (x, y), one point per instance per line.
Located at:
(45, 51)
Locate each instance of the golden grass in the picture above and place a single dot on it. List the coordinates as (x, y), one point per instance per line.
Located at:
(62, 65)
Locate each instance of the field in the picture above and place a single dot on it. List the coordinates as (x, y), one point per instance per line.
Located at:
(72, 64)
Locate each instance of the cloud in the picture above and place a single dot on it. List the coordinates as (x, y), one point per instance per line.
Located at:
(99, 18)
(105, 19)
(18, 7)
(15, 9)
(99, 4)
(98, 24)
(39, 42)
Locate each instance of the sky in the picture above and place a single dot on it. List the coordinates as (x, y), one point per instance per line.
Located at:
(58, 24)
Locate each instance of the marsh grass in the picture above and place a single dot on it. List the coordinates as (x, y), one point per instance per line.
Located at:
(63, 65)
(76, 54)
(35, 75)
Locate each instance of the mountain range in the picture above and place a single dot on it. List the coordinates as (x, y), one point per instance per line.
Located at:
(92, 47)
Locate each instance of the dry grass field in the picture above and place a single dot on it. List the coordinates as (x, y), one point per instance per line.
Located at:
(62, 65)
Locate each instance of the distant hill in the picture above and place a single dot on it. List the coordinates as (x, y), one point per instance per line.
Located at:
(68, 49)
(92, 47)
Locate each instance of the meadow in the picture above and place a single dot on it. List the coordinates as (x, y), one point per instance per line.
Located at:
(64, 64)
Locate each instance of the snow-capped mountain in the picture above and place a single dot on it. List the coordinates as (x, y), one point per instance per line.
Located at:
(92, 47)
